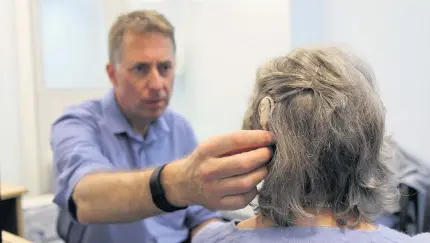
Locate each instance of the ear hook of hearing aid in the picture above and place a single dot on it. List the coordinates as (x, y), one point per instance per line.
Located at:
(265, 109)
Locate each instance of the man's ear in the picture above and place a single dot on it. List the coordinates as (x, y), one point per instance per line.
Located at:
(111, 72)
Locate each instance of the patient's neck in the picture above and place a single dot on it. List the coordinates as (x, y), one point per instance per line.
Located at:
(324, 217)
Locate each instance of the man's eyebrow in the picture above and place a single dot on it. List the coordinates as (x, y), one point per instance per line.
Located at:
(141, 63)
(165, 62)
(149, 63)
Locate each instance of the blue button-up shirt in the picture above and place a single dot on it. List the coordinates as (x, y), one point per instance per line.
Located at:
(95, 136)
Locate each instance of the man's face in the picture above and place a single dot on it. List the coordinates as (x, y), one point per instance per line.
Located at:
(143, 76)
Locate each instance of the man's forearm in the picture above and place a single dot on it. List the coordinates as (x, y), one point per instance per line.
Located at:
(114, 197)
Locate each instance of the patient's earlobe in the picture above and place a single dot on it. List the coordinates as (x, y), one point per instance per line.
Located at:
(265, 110)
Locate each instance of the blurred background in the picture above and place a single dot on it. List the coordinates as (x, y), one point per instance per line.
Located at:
(53, 54)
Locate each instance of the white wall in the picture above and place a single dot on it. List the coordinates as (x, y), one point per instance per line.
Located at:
(41, 59)
(18, 143)
(73, 40)
(226, 42)
(394, 36)
(9, 107)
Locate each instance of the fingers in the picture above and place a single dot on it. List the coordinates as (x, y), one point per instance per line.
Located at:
(235, 202)
(229, 167)
(243, 183)
(235, 165)
(236, 142)
(235, 187)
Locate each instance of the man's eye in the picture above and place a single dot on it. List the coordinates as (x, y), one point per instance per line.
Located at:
(164, 67)
(141, 68)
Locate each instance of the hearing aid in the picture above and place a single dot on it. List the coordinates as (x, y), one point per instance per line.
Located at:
(265, 110)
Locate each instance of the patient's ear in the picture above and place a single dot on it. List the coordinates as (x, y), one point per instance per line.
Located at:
(265, 110)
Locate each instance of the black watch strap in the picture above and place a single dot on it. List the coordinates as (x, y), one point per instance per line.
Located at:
(157, 191)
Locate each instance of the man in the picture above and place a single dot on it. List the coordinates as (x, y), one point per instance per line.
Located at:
(109, 153)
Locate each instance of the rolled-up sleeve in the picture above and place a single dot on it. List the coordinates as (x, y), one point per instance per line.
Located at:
(76, 153)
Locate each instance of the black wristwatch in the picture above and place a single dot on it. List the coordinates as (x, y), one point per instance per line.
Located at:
(157, 191)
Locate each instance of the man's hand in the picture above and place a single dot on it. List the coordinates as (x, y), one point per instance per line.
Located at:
(222, 173)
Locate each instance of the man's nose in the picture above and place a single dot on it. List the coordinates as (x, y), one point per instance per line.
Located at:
(155, 81)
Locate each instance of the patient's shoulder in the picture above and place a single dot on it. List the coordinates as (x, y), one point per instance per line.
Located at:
(421, 238)
(396, 236)
(392, 235)
(216, 232)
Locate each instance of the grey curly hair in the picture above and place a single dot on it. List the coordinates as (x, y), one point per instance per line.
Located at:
(328, 121)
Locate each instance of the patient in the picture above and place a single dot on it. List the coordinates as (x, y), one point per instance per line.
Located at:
(327, 180)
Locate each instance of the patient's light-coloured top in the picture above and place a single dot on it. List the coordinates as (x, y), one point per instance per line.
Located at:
(229, 232)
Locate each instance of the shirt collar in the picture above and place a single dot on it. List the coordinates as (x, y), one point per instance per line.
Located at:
(117, 123)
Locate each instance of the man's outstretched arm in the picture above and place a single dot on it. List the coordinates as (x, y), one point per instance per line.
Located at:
(86, 181)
